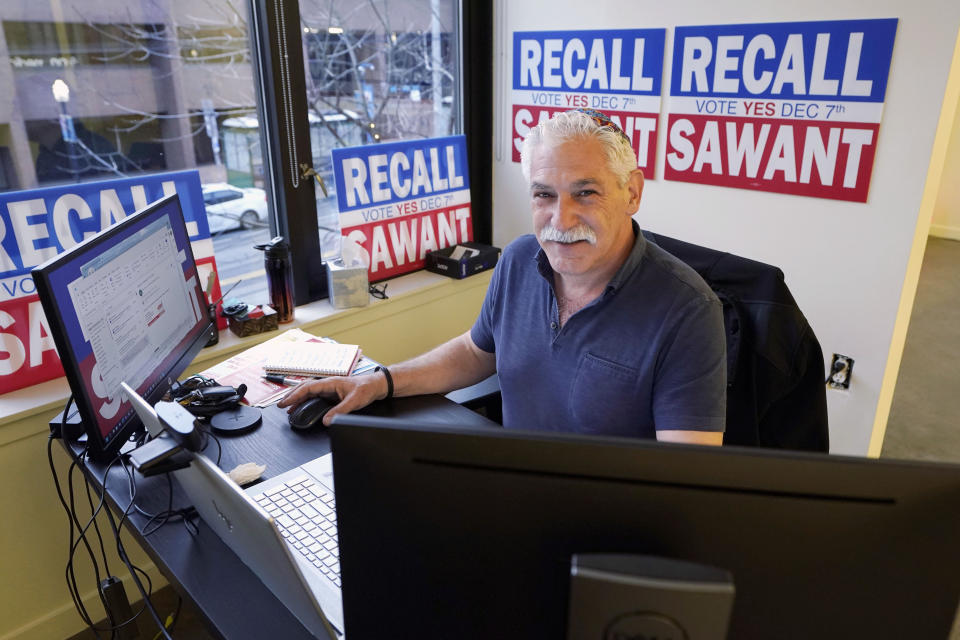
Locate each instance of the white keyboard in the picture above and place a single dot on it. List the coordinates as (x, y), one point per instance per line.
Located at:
(307, 517)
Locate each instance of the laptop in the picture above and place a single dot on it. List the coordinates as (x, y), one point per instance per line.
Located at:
(255, 523)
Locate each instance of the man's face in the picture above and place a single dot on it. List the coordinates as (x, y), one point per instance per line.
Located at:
(581, 215)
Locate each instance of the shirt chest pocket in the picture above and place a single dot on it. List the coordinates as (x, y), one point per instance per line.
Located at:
(603, 397)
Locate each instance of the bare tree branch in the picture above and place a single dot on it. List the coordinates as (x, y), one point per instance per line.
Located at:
(381, 78)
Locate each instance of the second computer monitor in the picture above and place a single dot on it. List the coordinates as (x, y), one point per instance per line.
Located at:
(470, 534)
(125, 305)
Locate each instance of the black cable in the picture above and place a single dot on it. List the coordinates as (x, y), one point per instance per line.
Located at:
(103, 551)
(116, 624)
(162, 518)
(185, 514)
(121, 551)
(120, 458)
(156, 520)
(71, 583)
(75, 543)
(152, 516)
(189, 524)
(81, 536)
(131, 481)
(133, 569)
(71, 586)
(132, 485)
(207, 436)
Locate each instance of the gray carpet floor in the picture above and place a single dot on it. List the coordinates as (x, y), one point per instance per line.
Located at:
(923, 421)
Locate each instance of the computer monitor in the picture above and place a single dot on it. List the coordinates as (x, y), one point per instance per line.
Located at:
(125, 305)
(466, 533)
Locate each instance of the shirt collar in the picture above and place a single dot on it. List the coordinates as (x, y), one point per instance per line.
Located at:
(623, 273)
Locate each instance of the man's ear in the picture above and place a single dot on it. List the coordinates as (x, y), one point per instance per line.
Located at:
(635, 189)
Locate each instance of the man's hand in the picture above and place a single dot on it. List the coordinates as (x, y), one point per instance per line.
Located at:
(454, 364)
(353, 392)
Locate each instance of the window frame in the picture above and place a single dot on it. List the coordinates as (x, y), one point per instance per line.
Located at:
(275, 23)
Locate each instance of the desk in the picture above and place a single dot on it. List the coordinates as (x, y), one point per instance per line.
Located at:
(233, 601)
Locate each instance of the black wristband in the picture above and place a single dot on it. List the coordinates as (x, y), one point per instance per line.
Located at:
(386, 374)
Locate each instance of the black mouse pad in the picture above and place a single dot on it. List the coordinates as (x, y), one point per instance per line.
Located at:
(240, 419)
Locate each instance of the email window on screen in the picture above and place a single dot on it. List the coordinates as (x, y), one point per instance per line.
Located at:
(133, 300)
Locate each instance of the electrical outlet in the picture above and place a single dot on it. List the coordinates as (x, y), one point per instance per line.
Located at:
(840, 371)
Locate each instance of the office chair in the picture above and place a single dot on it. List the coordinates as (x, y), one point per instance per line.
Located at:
(776, 397)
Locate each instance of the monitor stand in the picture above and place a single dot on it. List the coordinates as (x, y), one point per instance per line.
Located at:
(636, 596)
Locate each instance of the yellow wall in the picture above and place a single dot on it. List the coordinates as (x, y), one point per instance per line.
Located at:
(34, 601)
(946, 212)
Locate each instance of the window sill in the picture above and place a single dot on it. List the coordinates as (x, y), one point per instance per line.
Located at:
(320, 318)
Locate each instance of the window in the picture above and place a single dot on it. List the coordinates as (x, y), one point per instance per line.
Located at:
(217, 45)
(365, 73)
(149, 91)
(173, 85)
(45, 44)
(7, 178)
(330, 61)
(222, 195)
(373, 76)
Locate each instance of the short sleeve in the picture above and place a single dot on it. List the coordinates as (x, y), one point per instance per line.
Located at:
(691, 384)
(482, 331)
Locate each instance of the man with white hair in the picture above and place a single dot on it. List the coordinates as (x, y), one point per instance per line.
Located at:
(590, 327)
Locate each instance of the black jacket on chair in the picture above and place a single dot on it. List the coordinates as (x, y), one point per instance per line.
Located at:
(776, 395)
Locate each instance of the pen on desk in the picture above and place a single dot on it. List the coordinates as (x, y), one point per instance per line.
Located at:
(279, 379)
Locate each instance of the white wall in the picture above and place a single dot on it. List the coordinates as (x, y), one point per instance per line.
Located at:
(846, 263)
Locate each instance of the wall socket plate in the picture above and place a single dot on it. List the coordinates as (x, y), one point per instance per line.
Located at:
(840, 371)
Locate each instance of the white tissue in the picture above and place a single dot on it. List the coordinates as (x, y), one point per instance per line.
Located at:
(352, 255)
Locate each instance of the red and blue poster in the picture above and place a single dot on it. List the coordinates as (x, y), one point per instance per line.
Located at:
(401, 200)
(790, 107)
(618, 72)
(38, 224)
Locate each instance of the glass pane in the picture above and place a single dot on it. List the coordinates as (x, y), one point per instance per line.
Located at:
(376, 71)
(146, 87)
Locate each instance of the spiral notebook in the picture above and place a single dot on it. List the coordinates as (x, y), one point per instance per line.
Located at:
(314, 359)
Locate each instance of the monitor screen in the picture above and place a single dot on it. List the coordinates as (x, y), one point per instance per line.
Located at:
(125, 305)
(470, 533)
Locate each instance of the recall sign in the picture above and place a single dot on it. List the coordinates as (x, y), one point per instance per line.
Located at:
(39, 224)
(789, 107)
(616, 72)
(401, 200)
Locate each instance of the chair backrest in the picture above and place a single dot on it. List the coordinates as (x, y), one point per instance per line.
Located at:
(776, 395)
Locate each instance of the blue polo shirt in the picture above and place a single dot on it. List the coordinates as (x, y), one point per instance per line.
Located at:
(648, 354)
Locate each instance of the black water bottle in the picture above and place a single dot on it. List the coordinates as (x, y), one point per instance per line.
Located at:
(276, 260)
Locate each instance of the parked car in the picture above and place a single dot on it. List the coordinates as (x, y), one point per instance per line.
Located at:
(230, 207)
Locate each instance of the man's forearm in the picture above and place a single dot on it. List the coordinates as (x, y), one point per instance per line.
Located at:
(691, 437)
(453, 365)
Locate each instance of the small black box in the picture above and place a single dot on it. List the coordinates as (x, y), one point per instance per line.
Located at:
(440, 261)
(74, 425)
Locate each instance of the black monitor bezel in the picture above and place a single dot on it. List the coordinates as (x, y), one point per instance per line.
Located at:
(98, 447)
(433, 507)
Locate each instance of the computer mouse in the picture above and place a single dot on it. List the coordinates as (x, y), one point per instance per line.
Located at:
(309, 414)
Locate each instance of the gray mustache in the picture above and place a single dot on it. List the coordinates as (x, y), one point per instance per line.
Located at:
(580, 232)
